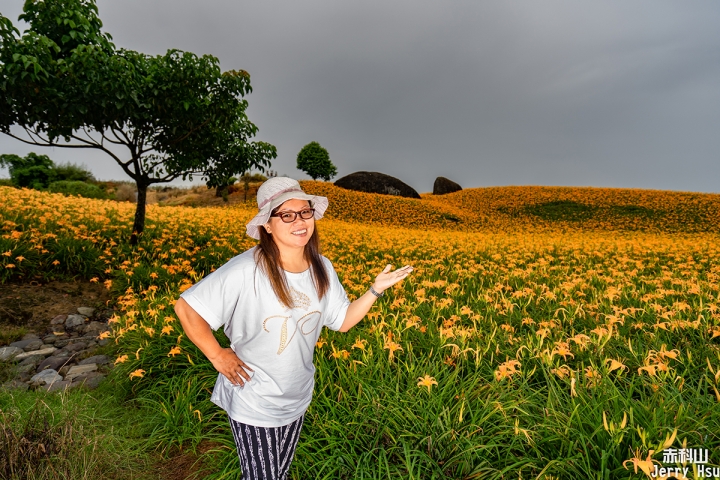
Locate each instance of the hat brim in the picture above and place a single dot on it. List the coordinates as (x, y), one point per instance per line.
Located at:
(319, 203)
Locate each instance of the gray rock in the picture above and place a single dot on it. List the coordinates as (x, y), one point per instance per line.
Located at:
(58, 386)
(103, 342)
(94, 328)
(36, 344)
(50, 339)
(45, 352)
(22, 343)
(90, 380)
(7, 353)
(91, 344)
(78, 370)
(75, 347)
(96, 359)
(376, 182)
(59, 320)
(14, 384)
(61, 342)
(33, 360)
(55, 363)
(87, 311)
(30, 336)
(45, 377)
(28, 368)
(74, 321)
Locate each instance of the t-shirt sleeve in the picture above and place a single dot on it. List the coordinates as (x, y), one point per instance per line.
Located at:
(215, 297)
(338, 302)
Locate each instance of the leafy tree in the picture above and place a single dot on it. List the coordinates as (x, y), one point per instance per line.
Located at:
(31, 171)
(177, 115)
(315, 161)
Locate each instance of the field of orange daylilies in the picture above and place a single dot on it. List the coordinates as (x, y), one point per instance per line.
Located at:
(545, 332)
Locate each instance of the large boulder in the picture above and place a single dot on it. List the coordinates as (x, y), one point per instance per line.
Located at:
(376, 182)
(443, 185)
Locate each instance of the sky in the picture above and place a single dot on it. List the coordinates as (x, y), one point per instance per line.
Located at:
(621, 94)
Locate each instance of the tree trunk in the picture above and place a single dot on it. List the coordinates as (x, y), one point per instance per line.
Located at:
(139, 224)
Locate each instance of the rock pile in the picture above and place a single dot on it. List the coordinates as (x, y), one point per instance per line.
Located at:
(63, 358)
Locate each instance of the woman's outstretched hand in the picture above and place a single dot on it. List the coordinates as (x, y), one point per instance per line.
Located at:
(387, 278)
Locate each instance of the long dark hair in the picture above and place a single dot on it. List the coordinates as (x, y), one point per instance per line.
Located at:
(267, 257)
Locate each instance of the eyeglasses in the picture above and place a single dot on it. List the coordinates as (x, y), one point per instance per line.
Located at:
(289, 216)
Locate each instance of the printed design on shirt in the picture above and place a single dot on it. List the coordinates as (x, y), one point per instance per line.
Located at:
(299, 299)
(307, 324)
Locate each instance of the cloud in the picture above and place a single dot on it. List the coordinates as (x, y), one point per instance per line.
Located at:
(619, 94)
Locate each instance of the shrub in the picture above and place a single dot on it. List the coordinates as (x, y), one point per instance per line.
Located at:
(254, 177)
(6, 182)
(125, 192)
(70, 171)
(75, 187)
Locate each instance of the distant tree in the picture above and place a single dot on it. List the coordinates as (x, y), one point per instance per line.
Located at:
(315, 161)
(73, 173)
(32, 171)
(178, 115)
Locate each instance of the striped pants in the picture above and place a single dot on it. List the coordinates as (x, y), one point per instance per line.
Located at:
(266, 453)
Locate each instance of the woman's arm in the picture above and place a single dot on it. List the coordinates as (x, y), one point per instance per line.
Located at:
(360, 307)
(199, 332)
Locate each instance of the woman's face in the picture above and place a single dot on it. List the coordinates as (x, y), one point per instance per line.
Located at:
(295, 234)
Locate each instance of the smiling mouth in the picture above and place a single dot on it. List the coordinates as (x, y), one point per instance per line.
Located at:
(300, 232)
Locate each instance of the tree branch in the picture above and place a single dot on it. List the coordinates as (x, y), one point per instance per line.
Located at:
(45, 143)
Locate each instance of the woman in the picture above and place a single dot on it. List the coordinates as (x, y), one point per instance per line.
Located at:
(272, 301)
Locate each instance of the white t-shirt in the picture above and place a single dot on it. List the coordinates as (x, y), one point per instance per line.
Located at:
(275, 341)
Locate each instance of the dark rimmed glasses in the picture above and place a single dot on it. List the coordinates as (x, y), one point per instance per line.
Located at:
(288, 216)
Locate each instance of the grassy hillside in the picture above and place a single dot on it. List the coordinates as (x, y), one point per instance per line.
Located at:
(534, 208)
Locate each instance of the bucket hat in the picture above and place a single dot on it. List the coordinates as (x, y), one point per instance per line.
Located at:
(276, 191)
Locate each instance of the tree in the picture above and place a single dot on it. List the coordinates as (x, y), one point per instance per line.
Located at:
(32, 171)
(315, 161)
(176, 115)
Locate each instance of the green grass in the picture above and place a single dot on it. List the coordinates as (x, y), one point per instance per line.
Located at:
(567, 210)
(76, 434)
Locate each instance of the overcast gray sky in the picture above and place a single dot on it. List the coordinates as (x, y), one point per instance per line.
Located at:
(615, 93)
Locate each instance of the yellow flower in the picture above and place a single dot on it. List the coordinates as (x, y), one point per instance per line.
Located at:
(426, 381)
(137, 373)
(393, 347)
(614, 365)
(507, 369)
(166, 330)
(174, 351)
(359, 343)
(121, 359)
